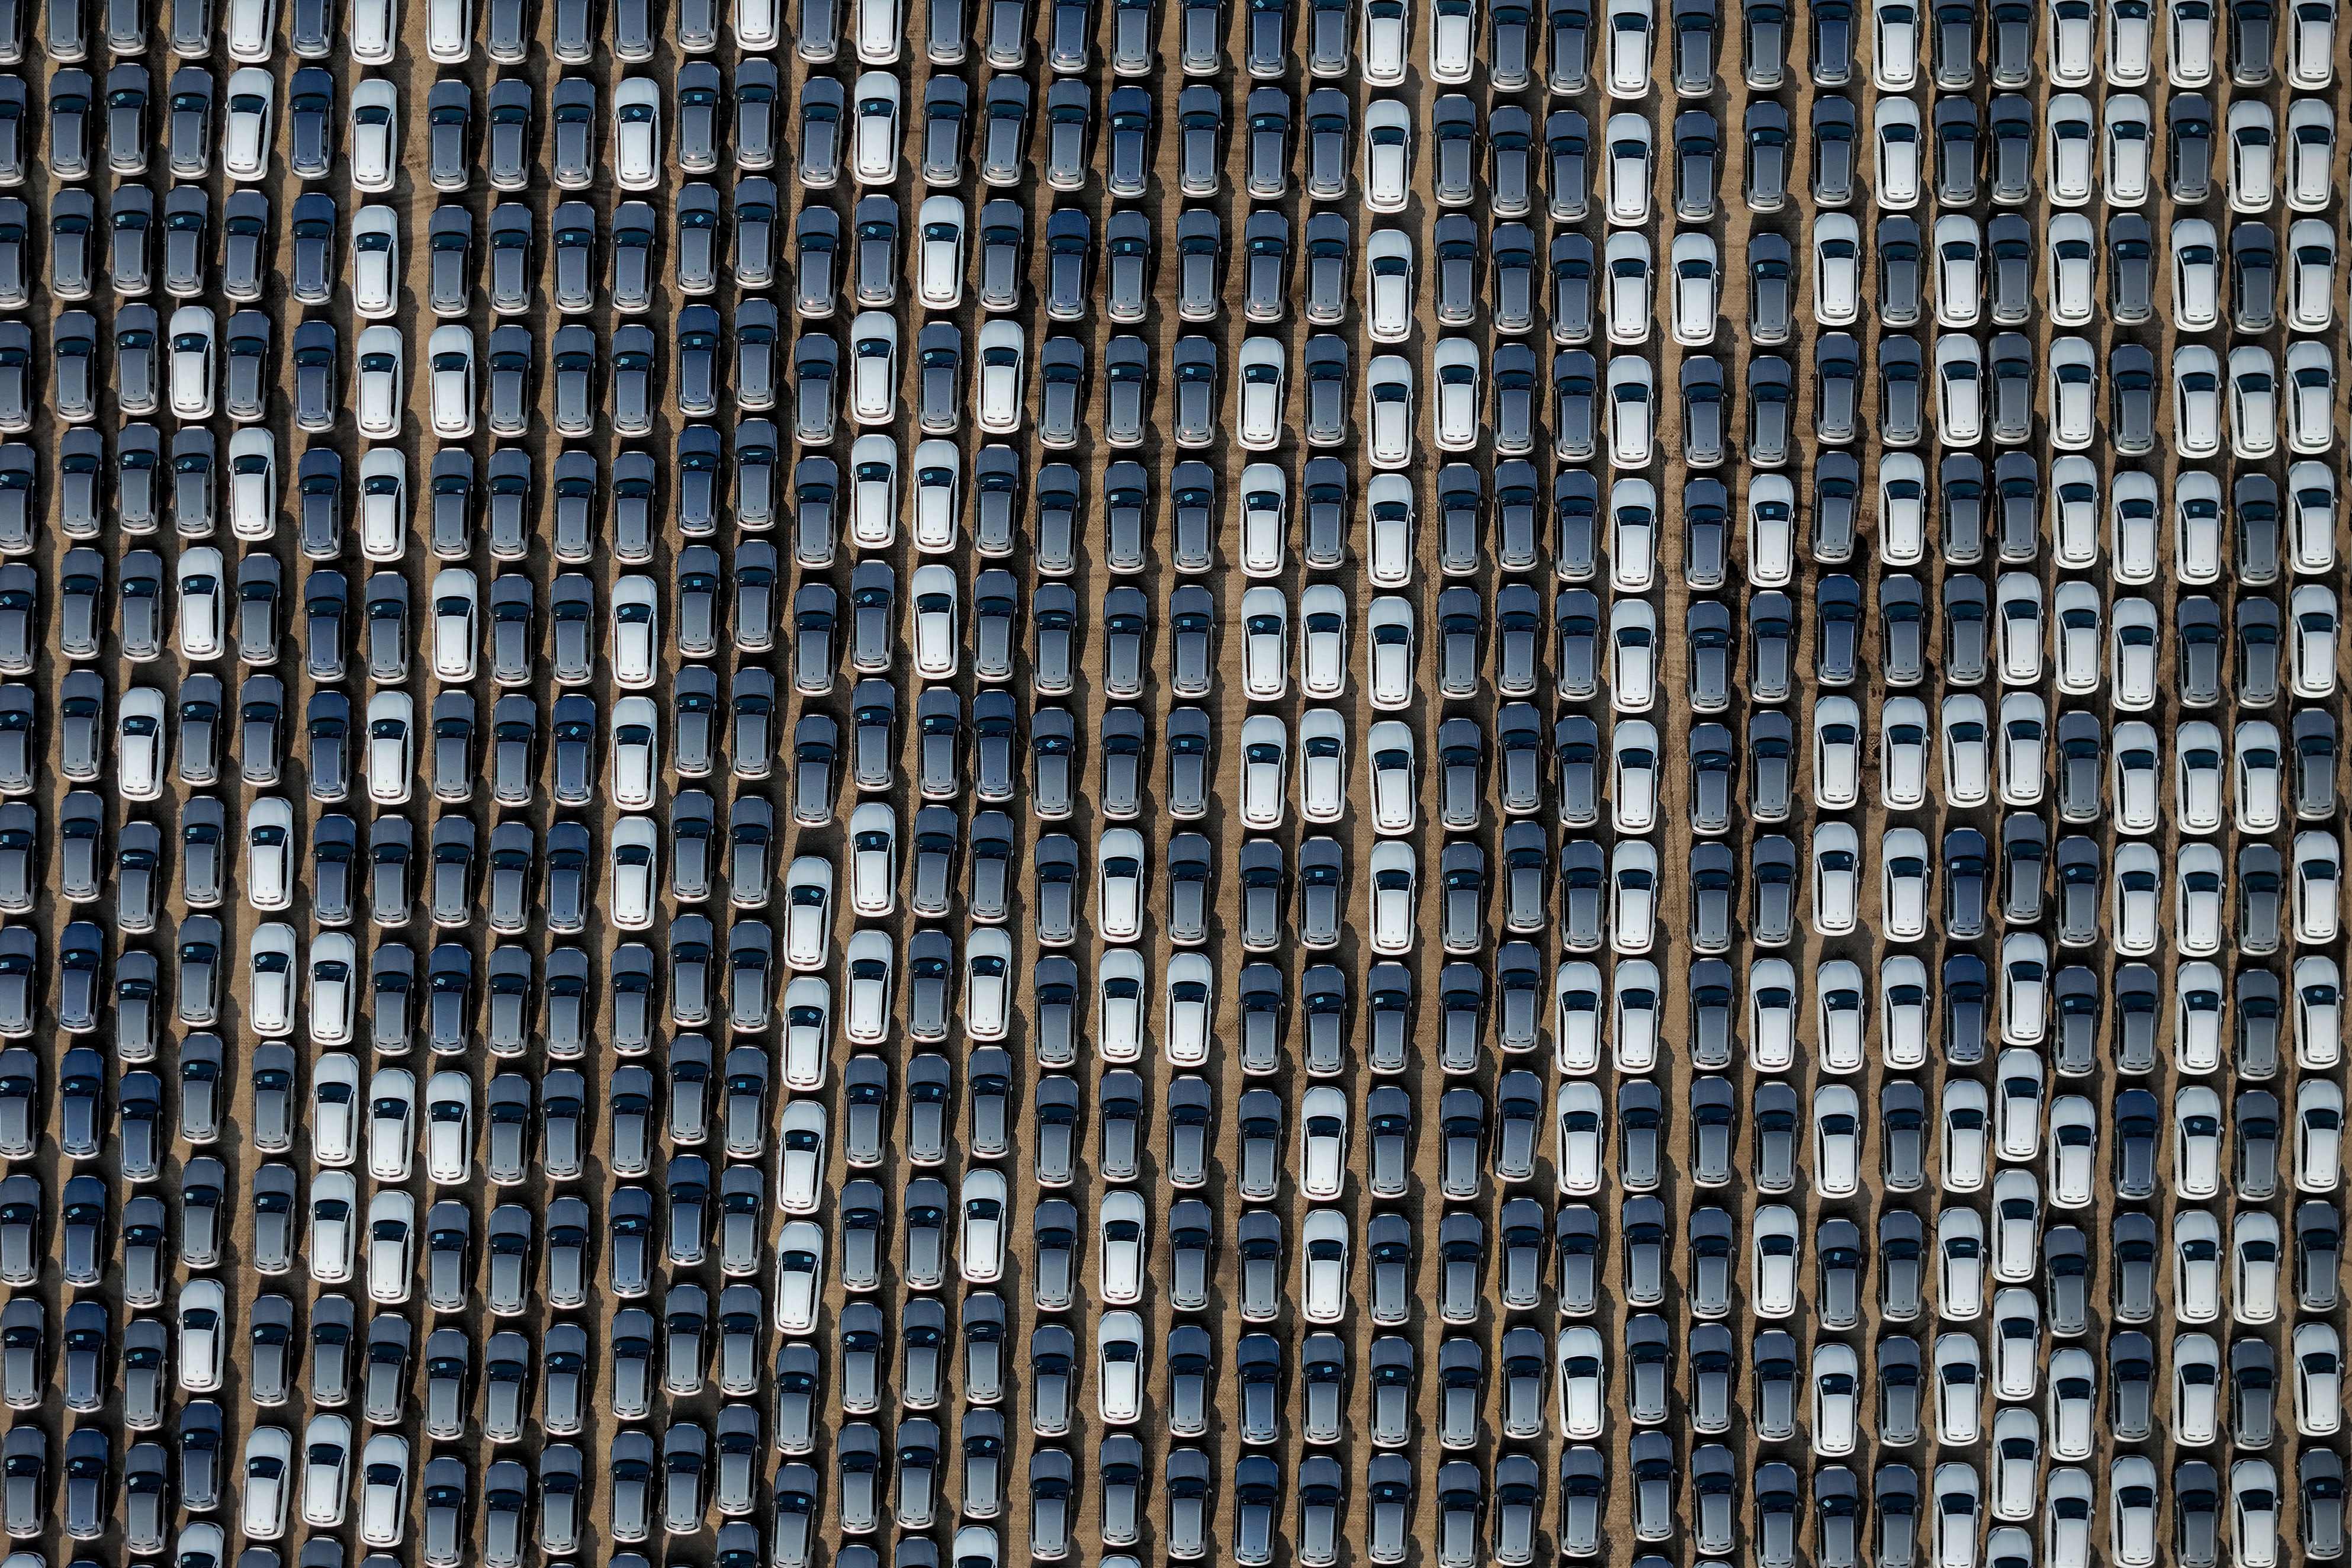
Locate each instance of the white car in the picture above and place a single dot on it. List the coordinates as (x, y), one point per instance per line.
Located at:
(193, 337)
(2310, 398)
(2311, 488)
(808, 1031)
(637, 631)
(1625, 264)
(2125, 148)
(1896, 136)
(1323, 1143)
(1384, 42)
(139, 743)
(383, 503)
(382, 394)
(1261, 367)
(1389, 509)
(1323, 640)
(2130, 53)
(2069, 149)
(1837, 1399)
(800, 1275)
(448, 30)
(1632, 411)
(2073, 393)
(204, 593)
(333, 1242)
(2318, 886)
(252, 28)
(874, 368)
(999, 375)
(1630, 40)
(1389, 410)
(449, 1128)
(271, 967)
(1266, 642)
(637, 133)
(874, 492)
(1959, 1383)
(1388, 155)
(268, 1483)
(872, 858)
(755, 27)
(1389, 653)
(1123, 1250)
(449, 353)
(1390, 294)
(2312, 647)
(373, 151)
(2250, 162)
(2311, 275)
(873, 144)
(939, 495)
(1583, 1377)
(1323, 766)
(1635, 760)
(1390, 747)
(1394, 877)
(801, 1156)
(2319, 1380)
(1325, 1247)
(2073, 250)
(1576, 1017)
(1698, 286)
(1120, 1007)
(1838, 271)
(635, 856)
(326, 1469)
(374, 29)
(1119, 1367)
(1633, 535)
(880, 35)
(1120, 861)
(1960, 389)
(456, 618)
(1454, 412)
(1631, 168)
(2253, 402)
(392, 747)
(808, 917)
(980, 1247)
(1633, 896)
(940, 259)
(204, 1335)
(1904, 1007)
(870, 964)
(247, 127)
(391, 1247)
(1580, 1137)
(335, 988)
(987, 987)
(1776, 1262)
(2311, 154)
(1771, 1015)
(1192, 999)
(392, 1123)
(334, 1100)
(2318, 1135)
(384, 1488)
(933, 607)
(252, 483)
(1265, 769)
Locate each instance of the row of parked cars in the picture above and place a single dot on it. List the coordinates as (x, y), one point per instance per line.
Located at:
(1596, 411)
(1372, 41)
